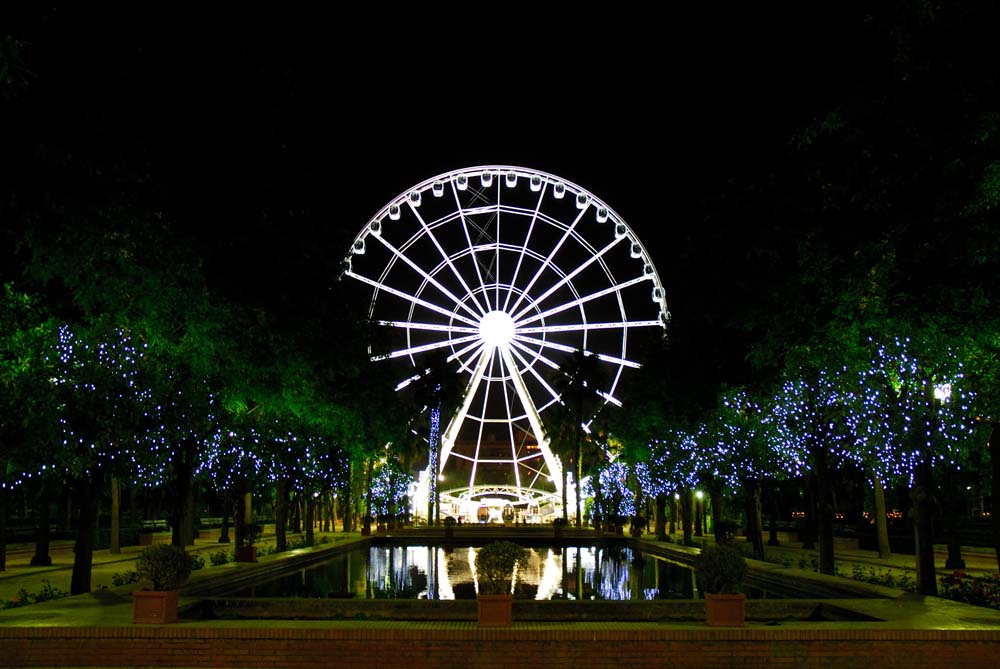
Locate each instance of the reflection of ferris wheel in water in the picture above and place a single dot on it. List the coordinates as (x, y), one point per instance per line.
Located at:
(509, 271)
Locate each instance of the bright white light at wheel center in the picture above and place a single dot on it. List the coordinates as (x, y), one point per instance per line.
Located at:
(496, 328)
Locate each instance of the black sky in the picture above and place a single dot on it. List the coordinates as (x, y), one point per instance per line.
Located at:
(273, 136)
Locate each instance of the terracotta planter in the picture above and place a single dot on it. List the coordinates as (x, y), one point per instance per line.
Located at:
(724, 610)
(154, 607)
(246, 553)
(495, 610)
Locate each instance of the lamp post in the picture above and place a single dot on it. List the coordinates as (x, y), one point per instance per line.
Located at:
(698, 512)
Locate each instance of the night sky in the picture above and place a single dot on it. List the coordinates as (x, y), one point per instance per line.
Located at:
(271, 139)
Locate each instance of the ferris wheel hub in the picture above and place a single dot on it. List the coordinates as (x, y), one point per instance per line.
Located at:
(497, 328)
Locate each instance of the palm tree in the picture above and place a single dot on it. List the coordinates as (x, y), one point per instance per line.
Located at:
(437, 392)
(579, 403)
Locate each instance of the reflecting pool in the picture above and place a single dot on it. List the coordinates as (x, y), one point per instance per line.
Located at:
(605, 572)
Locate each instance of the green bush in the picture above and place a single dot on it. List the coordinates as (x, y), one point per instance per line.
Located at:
(495, 563)
(220, 557)
(166, 566)
(124, 578)
(720, 569)
(24, 598)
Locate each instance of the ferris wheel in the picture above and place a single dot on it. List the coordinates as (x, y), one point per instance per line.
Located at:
(509, 272)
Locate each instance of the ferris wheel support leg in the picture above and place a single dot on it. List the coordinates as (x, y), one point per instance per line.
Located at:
(451, 432)
(555, 468)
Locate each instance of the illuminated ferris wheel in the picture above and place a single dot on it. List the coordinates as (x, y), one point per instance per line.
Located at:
(510, 272)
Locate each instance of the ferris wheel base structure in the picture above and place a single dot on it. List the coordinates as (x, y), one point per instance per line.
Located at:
(525, 505)
(511, 273)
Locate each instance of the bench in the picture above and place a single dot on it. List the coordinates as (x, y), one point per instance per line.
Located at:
(154, 526)
(210, 522)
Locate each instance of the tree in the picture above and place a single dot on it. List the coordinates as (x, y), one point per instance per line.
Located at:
(567, 423)
(809, 428)
(437, 392)
(744, 451)
(28, 425)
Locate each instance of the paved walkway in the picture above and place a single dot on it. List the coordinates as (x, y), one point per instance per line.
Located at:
(20, 575)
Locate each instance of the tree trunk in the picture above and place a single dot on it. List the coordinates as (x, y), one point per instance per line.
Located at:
(327, 509)
(579, 477)
(224, 532)
(83, 552)
(953, 519)
(182, 511)
(115, 546)
(661, 516)
(296, 513)
(240, 528)
(808, 534)
(433, 469)
(772, 538)
(755, 529)
(41, 558)
(310, 503)
(673, 513)
(881, 521)
(954, 533)
(599, 499)
(824, 511)
(686, 497)
(922, 513)
(187, 512)
(346, 514)
(3, 523)
(715, 498)
(280, 514)
(992, 447)
(565, 492)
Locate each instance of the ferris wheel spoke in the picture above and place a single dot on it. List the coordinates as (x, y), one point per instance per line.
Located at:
(413, 350)
(583, 300)
(524, 247)
(427, 277)
(548, 259)
(463, 366)
(468, 241)
(580, 327)
(411, 298)
(436, 327)
(496, 272)
(444, 255)
(519, 338)
(534, 372)
(569, 277)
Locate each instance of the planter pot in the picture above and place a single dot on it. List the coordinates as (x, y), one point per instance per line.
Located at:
(154, 607)
(724, 610)
(495, 610)
(246, 553)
